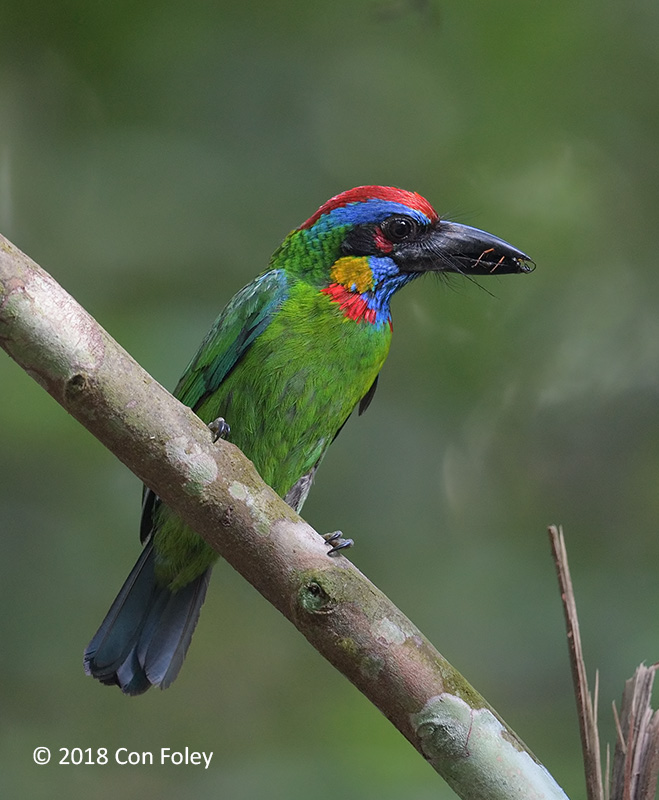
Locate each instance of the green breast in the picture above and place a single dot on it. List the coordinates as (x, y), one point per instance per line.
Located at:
(297, 384)
(285, 400)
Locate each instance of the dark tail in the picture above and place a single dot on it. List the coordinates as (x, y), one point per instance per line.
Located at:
(147, 631)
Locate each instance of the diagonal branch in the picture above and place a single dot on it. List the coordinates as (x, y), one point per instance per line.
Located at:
(216, 490)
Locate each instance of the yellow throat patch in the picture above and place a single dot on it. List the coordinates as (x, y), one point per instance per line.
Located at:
(354, 273)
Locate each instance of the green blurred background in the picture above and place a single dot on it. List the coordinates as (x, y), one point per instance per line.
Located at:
(152, 156)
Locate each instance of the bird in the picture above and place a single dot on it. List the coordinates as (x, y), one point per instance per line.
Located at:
(284, 365)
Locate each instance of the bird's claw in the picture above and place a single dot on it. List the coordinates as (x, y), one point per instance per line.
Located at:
(220, 429)
(341, 543)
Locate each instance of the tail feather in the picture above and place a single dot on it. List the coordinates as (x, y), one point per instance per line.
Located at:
(171, 638)
(147, 631)
(130, 676)
(116, 637)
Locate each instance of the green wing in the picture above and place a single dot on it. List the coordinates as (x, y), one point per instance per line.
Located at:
(245, 317)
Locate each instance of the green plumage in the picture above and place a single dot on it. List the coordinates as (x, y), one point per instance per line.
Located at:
(285, 368)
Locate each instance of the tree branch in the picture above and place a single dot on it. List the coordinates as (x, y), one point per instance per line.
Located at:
(217, 491)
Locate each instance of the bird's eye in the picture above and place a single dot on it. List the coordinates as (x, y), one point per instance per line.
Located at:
(399, 229)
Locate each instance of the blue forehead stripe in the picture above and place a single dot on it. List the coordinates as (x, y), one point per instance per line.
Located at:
(373, 210)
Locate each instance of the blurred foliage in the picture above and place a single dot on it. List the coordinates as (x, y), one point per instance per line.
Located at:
(152, 156)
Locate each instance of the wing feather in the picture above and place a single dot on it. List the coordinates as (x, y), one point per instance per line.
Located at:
(245, 317)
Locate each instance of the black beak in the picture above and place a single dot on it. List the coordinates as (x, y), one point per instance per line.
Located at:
(450, 247)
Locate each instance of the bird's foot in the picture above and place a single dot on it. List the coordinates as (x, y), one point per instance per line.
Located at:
(220, 429)
(337, 541)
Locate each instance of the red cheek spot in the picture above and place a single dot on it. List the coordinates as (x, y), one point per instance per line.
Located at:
(381, 242)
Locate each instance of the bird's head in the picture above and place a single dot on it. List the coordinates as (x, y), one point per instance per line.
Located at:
(371, 240)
